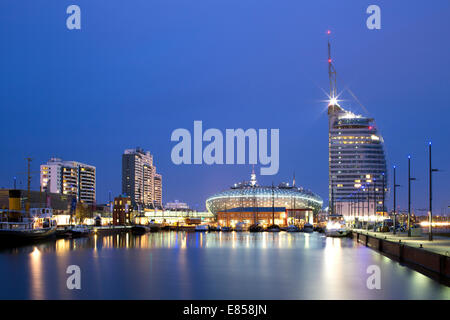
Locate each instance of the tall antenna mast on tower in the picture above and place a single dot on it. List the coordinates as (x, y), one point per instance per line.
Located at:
(331, 72)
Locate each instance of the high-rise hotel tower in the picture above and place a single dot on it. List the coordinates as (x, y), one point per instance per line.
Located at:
(357, 163)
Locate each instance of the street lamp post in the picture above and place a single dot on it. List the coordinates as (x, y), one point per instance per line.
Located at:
(351, 206)
(374, 200)
(368, 206)
(384, 187)
(431, 170)
(360, 203)
(332, 198)
(363, 189)
(409, 195)
(395, 200)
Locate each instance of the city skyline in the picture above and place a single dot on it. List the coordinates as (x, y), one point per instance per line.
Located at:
(394, 73)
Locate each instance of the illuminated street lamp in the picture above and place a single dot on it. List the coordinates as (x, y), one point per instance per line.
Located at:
(409, 195)
(395, 200)
(368, 206)
(431, 170)
(384, 190)
(374, 200)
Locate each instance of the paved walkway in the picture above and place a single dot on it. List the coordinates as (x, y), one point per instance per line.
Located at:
(440, 244)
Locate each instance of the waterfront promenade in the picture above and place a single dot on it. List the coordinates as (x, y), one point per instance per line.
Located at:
(440, 244)
(428, 257)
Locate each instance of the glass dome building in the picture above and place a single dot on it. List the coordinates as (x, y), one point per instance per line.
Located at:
(248, 202)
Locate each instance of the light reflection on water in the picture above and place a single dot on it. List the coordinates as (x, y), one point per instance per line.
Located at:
(188, 265)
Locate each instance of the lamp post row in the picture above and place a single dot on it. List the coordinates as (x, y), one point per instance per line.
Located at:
(395, 186)
(430, 213)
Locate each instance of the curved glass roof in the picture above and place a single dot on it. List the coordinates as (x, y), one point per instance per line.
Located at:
(260, 196)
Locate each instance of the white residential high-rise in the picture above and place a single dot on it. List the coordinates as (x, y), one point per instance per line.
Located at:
(70, 178)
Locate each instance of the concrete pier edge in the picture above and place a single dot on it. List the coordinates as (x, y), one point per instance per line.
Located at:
(431, 264)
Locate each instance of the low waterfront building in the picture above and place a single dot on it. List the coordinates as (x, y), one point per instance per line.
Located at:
(59, 203)
(175, 217)
(122, 211)
(250, 203)
(176, 205)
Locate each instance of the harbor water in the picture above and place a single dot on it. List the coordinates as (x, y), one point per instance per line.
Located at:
(212, 265)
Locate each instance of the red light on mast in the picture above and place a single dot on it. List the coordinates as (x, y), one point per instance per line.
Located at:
(329, 60)
(328, 32)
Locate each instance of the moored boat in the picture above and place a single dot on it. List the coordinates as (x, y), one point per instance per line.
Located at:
(257, 227)
(273, 228)
(79, 231)
(140, 229)
(292, 228)
(22, 228)
(336, 226)
(201, 228)
(22, 233)
(154, 227)
(308, 228)
(241, 226)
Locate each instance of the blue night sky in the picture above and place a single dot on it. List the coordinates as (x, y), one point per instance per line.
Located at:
(137, 70)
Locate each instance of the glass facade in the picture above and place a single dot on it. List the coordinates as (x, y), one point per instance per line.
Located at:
(254, 196)
(357, 163)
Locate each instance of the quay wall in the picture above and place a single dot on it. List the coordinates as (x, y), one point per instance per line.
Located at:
(425, 261)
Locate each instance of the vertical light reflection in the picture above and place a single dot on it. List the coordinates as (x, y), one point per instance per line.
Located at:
(201, 240)
(183, 241)
(307, 235)
(185, 286)
(264, 240)
(333, 269)
(62, 249)
(62, 245)
(95, 254)
(37, 277)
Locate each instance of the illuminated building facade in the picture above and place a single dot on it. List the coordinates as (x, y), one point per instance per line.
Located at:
(122, 211)
(158, 189)
(250, 203)
(357, 164)
(140, 180)
(70, 178)
(176, 205)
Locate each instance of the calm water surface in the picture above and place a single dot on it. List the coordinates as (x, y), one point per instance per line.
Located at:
(183, 265)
